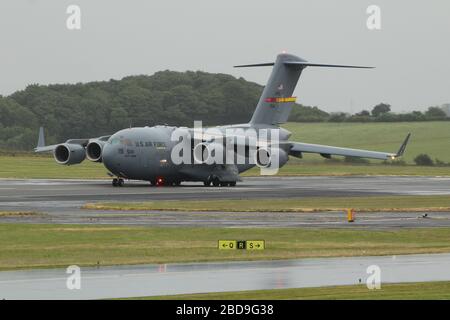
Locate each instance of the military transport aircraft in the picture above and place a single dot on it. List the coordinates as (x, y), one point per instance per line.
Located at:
(146, 153)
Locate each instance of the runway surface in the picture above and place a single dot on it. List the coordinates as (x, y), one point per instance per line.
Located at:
(152, 280)
(59, 201)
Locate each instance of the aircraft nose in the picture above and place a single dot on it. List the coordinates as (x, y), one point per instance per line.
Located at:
(107, 156)
(106, 152)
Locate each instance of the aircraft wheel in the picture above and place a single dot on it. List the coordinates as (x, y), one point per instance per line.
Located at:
(115, 182)
(232, 184)
(216, 182)
(120, 182)
(207, 183)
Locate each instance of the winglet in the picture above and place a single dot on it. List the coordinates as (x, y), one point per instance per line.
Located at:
(403, 146)
(41, 139)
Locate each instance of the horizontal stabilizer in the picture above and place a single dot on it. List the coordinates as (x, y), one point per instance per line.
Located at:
(302, 63)
(308, 64)
(268, 64)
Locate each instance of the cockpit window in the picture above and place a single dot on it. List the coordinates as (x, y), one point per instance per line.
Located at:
(127, 142)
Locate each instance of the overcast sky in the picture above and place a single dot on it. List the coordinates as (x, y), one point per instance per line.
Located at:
(411, 52)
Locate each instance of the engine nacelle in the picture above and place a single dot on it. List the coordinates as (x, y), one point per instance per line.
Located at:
(68, 153)
(271, 158)
(94, 150)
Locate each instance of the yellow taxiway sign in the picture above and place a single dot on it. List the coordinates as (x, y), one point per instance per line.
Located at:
(241, 245)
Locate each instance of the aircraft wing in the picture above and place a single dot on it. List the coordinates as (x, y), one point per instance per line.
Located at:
(297, 148)
(41, 147)
(45, 148)
(81, 142)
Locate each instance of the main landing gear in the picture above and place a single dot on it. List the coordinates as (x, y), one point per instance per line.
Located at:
(215, 181)
(117, 182)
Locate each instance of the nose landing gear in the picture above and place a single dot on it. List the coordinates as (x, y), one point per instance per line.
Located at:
(117, 182)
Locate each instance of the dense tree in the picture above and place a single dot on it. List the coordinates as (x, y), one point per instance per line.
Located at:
(363, 113)
(435, 113)
(423, 160)
(101, 108)
(338, 117)
(380, 109)
(175, 98)
(302, 113)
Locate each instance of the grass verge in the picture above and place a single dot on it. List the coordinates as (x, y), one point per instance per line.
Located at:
(398, 291)
(44, 245)
(18, 213)
(309, 204)
(327, 168)
(32, 167)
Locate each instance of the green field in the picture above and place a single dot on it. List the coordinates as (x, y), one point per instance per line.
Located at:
(432, 138)
(41, 245)
(311, 204)
(45, 167)
(318, 167)
(403, 291)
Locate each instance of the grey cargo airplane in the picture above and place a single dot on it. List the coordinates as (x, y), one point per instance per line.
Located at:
(144, 153)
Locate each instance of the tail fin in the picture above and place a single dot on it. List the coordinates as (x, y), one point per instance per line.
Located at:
(276, 101)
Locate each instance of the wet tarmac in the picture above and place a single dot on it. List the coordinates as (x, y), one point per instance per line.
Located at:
(169, 279)
(60, 201)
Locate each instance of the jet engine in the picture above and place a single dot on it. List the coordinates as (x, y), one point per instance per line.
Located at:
(68, 153)
(271, 158)
(209, 153)
(94, 150)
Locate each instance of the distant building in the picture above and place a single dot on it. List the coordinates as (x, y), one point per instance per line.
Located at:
(446, 108)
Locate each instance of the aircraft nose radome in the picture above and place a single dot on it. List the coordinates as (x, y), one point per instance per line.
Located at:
(107, 156)
(106, 152)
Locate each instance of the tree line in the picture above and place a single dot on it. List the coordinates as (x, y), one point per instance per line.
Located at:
(167, 97)
(101, 108)
(379, 113)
